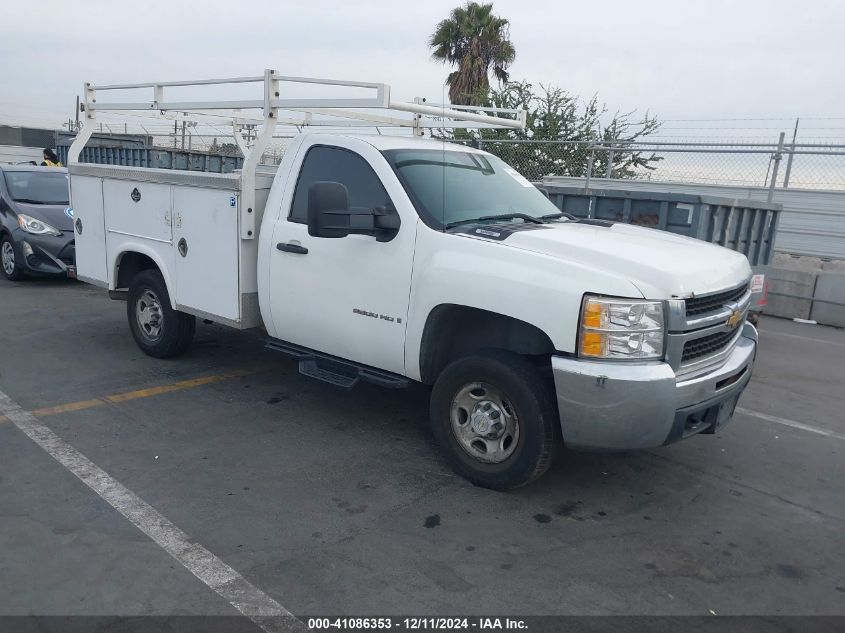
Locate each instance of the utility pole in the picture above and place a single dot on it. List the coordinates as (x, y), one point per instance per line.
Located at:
(776, 157)
(183, 134)
(250, 131)
(76, 126)
(791, 155)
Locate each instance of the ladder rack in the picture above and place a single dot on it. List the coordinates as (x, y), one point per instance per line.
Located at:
(377, 109)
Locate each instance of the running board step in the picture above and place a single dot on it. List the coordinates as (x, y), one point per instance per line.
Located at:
(335, 371)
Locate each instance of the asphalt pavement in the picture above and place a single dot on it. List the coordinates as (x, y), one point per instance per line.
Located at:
(336, 502)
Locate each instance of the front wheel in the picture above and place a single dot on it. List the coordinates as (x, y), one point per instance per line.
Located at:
(12, 270)
(158, 329)
(495, 418)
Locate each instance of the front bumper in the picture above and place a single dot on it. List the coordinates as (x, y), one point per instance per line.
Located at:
(46, 254)
(622, 406)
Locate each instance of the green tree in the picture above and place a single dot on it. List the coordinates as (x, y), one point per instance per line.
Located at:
(476, 41)
(565, 128)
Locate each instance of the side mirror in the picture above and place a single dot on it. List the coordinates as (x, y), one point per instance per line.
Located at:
(329, 215)
(328, 210)
(386, 222)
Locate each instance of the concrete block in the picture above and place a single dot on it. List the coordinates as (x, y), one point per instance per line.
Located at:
(834, 265)
(790, 282)
(785, 261)
(830, 286)
(797, 262)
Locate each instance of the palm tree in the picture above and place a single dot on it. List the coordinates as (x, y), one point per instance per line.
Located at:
(474, 40)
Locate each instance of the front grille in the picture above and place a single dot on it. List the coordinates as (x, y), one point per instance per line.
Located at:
(711, 303)
(706, 345)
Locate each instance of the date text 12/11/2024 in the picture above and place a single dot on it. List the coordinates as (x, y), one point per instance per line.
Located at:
(416, 624)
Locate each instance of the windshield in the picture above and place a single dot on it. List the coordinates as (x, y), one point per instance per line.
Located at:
(449, 186)
(38, 187)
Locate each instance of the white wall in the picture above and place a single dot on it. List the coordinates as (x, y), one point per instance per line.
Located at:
(15, 154)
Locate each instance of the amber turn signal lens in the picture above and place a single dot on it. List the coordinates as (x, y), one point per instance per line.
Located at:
(592, 314)
(592, 344)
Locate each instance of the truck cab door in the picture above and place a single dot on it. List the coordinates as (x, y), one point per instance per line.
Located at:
(347, 296)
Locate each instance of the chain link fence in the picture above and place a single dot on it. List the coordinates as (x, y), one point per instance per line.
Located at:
(752, 164)
(802, 166)
(807, 166)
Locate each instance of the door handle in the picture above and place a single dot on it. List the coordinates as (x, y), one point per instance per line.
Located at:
(292, 248)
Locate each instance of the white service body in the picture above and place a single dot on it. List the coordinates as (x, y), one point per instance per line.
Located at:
(216, 278)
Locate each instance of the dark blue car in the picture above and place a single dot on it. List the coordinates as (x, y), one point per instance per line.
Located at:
(36, 222)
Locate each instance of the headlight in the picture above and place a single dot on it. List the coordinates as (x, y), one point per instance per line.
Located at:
(36, 227)
(621, 329)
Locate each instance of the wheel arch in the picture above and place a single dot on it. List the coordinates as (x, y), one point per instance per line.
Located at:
(135, 258)
(453, 330)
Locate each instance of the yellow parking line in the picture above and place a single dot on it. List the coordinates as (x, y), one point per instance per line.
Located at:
(141, 393)
(176, 386)
(71, 406)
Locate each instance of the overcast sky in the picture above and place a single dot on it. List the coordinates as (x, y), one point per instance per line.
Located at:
(686, 59)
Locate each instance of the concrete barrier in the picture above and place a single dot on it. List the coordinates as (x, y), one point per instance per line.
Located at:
(807, 288)
(797, 283)
(830, 286)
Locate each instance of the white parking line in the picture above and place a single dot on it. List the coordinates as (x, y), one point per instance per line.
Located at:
(213, 572)
(791, 423)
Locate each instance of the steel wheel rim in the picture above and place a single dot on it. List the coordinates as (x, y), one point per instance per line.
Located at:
(484, 422)
(149, 316)
(8, 257)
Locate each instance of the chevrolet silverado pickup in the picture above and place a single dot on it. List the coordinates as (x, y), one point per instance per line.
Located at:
(397, 260)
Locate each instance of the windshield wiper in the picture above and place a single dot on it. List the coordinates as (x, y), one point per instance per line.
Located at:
(556, 216)
(504, 216)
(572, 218)
(30, 201)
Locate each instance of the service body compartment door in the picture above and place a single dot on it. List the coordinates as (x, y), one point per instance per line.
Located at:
(138, 209)
(89, 228)
(138, 219)
(205, 236)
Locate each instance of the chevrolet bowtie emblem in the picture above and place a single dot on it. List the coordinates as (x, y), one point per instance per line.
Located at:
(734, 319)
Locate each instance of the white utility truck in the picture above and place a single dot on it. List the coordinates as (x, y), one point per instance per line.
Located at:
(397, 259)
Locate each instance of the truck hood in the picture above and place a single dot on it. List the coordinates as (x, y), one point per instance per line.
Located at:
(53, 214)
(654, 261)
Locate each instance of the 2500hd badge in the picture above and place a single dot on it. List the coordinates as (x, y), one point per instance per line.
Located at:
(376, 315)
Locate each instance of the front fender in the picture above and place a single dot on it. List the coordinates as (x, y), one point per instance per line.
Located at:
(539, 289)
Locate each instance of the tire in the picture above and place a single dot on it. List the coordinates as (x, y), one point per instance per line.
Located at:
(479, 393)
(12, 270)
(158, 329)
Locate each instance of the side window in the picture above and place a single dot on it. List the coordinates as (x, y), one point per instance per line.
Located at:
(334, 164)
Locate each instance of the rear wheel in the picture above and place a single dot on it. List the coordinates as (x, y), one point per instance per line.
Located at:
(158, 329)
(12, 270)
(495, 418)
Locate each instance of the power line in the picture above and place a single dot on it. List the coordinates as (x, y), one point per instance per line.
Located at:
(803, 118)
